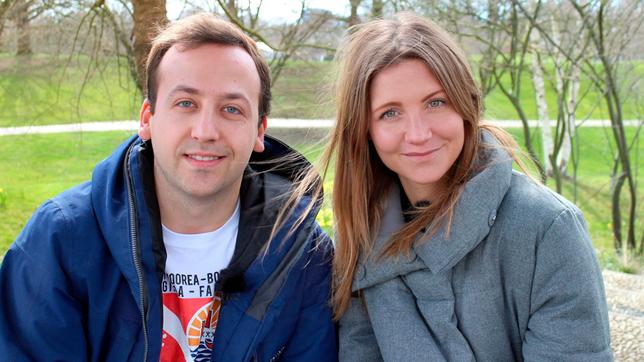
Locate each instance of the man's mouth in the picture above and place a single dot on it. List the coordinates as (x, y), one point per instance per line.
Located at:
(203, 157)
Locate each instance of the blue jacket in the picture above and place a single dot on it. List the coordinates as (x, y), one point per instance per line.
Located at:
(83, 279)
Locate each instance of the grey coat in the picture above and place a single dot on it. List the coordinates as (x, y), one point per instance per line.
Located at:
(516, 280)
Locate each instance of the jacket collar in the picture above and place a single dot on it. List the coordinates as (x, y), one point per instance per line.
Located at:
(475, 213)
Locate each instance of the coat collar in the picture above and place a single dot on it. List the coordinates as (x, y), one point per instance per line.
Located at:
(475, 213)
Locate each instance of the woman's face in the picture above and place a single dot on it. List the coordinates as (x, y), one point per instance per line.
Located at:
(414, 128)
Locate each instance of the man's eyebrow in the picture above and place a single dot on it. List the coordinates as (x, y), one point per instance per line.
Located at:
(192, 90)
(235, 96)
(183, 89)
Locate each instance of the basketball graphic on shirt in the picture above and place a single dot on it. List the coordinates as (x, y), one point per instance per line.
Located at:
(201, 328)
(189, 327)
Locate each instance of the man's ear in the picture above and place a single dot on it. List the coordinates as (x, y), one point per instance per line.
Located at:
(259, 142)
(144, 121)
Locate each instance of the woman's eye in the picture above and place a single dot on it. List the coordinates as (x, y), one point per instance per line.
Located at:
(389, 114)
(184, 104)
(435, 103)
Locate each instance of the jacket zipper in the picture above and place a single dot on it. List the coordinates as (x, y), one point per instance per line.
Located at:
(134, 238)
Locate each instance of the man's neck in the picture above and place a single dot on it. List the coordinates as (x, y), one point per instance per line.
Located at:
(192, 216)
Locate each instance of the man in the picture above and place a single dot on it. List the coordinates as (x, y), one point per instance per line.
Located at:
(174, 250)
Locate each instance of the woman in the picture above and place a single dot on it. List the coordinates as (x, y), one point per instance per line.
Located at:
(443, 252)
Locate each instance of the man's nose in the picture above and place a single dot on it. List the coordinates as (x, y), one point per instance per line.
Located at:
(206, 127)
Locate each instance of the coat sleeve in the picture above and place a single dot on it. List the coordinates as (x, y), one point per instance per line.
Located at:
(568, 313)
(40, 319)
(357, 339)
(315, 335)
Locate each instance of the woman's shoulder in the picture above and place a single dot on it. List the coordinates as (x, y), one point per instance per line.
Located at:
(538, 228)
(533, 211)
(533, 201)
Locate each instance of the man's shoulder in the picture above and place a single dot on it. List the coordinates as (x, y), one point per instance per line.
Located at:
(66, 214)
(74, 203)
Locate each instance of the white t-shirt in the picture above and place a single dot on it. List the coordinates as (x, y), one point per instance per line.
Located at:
(190, 304)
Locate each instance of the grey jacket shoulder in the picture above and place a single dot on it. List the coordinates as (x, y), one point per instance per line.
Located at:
(526, 203)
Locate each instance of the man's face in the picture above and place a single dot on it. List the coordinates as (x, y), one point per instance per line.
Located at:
(205, 124)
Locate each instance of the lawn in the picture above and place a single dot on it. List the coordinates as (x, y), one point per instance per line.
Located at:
(36, 167)
(53, 90)
(50, 90)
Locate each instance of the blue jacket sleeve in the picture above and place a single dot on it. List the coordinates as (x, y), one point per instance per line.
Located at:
(568, 313)
(315, 337)
(40, 319)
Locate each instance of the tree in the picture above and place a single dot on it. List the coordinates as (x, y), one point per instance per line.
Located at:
(595, 16)
(5, 8)
(610, 33)
(542, 105)
(133, 25)
(21, 18)
(353, 17)
(148, 15)
(289, 39)
(564, 80)
(377, 8)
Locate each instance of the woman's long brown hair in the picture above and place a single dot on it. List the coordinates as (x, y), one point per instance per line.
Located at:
(362, 181)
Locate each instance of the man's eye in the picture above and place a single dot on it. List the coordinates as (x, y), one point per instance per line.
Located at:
(231, 109)
(184, 104)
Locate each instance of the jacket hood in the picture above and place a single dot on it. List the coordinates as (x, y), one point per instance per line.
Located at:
(474, 215)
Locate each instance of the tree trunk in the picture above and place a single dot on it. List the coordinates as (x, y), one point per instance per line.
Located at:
(1, 31)
(5, 5)
(527, 139)
(148, 15)
(231, 6)
(563, 158)
(542, 108)
(24, 30)
(353, 18)
(376, 8)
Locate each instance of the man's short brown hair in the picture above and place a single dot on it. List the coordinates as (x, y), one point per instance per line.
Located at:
(200, 29)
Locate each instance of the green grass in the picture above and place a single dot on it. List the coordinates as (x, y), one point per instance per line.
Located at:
(36, 167)
(47, 90)
(303, 91)
(50, 90)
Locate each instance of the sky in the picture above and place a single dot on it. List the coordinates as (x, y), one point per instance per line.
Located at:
(278, 11)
